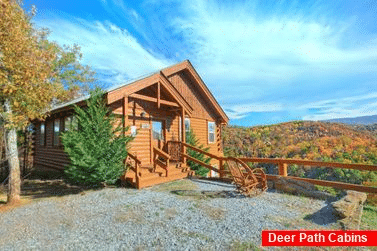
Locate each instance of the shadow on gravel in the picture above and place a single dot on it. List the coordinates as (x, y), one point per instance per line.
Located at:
(208, 194)
(212, 182)
(322, 217)
(49, 188)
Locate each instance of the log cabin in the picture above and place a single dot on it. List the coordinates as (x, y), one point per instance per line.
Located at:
(158, 108)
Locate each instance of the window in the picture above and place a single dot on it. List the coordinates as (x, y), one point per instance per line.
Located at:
(56, 132)
(133, 131)
(211, 132)
(187, 125)
(67, 123)
(43, 134)
(157, 130)
(70, 122)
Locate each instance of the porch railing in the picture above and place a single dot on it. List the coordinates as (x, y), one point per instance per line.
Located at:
(174, 149)
(283, 172)
(283, 168)
(158, 154)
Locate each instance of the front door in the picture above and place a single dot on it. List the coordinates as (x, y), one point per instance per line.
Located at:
(158, 128)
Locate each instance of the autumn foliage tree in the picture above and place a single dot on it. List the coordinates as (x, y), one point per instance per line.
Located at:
(33, 73)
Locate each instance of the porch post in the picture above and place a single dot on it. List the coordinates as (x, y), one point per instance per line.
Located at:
(158, 94)
(125, 113)
(183, 148)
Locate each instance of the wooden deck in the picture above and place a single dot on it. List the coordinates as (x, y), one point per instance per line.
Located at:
(148, 177)
(169, 170)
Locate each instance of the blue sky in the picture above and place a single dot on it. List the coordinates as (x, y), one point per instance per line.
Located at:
(265, 61)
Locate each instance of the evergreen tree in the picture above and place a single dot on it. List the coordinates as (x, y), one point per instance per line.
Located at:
(98, 148)
(193, 141)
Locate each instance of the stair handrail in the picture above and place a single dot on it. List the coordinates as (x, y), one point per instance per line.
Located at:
(136, 168)
(156, 153)
(134, 157)
(198, 150)
(219, 158)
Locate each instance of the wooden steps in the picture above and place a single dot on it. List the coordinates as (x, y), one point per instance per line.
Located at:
(149, 178)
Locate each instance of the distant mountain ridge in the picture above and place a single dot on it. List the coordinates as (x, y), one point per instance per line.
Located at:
(364, 120)
(310, 140)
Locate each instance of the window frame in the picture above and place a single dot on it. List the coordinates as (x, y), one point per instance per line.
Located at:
(55, 135)
(67, 123)
(187, 129)
(209, 132)
(161, 130)
(42, 141)
(72, 122)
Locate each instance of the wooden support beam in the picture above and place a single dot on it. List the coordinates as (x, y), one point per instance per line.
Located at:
(221, 168)
(336, 184)
(151, 99)
(183, 130)
(125, 113)
(158, 94)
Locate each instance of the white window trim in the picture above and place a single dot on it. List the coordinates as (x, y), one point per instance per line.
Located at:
(67, 123)
(56, 137)
(189, 125)
(214, 132)
(42, 141)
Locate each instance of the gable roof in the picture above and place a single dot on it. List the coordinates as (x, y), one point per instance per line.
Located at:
(162, 77)
(186, 65)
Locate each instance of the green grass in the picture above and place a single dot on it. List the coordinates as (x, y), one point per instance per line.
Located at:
(333, 191)
(369, 218)
(243, 246)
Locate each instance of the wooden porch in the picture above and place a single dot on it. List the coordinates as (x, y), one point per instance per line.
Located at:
(171, 165)
(167, 166)
(147, 176)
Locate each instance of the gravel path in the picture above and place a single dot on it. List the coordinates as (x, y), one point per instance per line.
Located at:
(153, 219)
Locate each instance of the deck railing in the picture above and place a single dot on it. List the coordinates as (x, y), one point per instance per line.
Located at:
(283, 169)
(283, 172)
(157, 154)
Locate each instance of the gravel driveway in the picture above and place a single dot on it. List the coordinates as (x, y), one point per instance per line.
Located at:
(155, 219)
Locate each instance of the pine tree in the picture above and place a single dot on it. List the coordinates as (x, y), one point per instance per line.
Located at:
(97, 149)
(193, 141)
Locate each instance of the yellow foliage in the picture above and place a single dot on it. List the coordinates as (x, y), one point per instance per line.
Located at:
(25, 67)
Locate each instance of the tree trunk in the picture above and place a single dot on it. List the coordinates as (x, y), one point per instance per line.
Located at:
(13, 161)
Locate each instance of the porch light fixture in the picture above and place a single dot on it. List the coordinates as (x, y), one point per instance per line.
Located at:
(142, 114)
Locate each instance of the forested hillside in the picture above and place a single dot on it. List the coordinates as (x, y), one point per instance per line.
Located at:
(322, 141)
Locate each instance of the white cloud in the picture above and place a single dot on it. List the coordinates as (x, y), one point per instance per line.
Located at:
(286, 60)
(106, 47)
(245, 56)
(241, 111)
(348, 107)
(275, 50)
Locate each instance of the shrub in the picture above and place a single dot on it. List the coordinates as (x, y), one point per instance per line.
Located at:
(193, 141)
(97, 147)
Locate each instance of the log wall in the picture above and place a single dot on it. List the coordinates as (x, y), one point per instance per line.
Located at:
(49, 155)
(203, 112)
